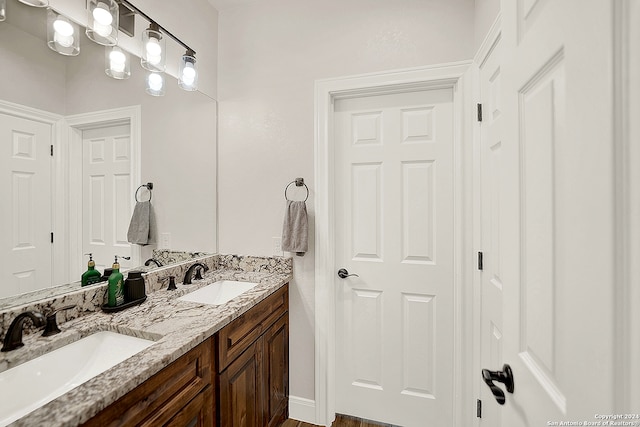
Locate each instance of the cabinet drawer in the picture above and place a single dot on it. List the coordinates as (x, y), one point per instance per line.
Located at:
(199, 412)
(237, 336)
(172, 387)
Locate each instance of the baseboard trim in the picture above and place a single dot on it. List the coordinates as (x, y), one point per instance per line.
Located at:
(302, 409)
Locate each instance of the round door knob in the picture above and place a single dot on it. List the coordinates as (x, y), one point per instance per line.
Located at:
(343, 273)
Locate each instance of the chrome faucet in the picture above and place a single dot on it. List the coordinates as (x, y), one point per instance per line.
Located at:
(13, 339)
(197, 268)
(152, 260)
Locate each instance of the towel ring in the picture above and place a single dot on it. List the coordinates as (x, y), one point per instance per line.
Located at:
(299, 182)
(149, 187)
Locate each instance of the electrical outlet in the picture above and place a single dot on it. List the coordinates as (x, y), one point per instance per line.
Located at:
(165, 241)
(277, 246)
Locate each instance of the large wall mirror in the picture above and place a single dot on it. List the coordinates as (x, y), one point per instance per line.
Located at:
(109, 137)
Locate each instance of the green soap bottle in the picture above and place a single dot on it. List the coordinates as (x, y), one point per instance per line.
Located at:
(115, 290)
(92, 275)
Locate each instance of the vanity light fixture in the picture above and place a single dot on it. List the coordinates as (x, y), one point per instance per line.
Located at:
(102, 18)
(117, 63)
(155, 84)
(62, 34)
(188, 73)
(35, 3)
(153, 49)
(3, 10)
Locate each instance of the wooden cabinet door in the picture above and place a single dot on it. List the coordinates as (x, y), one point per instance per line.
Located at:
(276, 372)
(241, 389)
(198, 413)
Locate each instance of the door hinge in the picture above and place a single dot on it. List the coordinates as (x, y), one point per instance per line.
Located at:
(51, 150)
(479, 112)
(480, 261)
(52, 237)
(478, 408)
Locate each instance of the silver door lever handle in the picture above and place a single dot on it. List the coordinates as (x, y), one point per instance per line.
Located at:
(343, 273)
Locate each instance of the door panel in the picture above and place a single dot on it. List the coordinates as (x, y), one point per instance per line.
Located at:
(542, 106)
(394, 228)
(25, 216)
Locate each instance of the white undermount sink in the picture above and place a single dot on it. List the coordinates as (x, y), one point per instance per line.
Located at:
(219, 292)
(32, 384)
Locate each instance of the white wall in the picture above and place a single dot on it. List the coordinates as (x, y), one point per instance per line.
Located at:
(32, 74)
(486, 12)
(270, 54)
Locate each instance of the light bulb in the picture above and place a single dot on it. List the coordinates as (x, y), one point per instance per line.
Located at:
(117, 56)
(117, 67)
(63, 32)
(154, 59)
(102, 15)
(102, 30)
(117, 61)
(64, 41)
(188, 72)
(154, 51)
(63, 28)
(153, 47)
(155, 82)
(188, 77)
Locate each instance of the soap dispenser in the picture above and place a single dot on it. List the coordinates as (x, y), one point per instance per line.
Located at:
(115, 288)
(92, 275)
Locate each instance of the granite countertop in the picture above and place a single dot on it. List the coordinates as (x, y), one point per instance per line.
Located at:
(175, 326)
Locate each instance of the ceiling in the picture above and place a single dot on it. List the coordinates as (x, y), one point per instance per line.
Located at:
(222, 5)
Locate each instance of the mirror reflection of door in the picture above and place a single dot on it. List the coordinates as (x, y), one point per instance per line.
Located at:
(106, 190)
(25, 215)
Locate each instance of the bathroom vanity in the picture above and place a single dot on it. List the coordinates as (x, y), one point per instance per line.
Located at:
(238, 377)
(208, 364)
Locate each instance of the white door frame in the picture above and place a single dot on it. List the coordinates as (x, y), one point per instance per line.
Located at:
(75, 124)
(451, 75)
(626, 64)
(490, 41)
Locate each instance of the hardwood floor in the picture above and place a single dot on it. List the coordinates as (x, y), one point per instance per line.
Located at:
(341, 421)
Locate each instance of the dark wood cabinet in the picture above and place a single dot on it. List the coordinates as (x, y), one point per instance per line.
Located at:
(253, 365)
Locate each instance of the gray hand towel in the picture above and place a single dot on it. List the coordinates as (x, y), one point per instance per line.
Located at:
(295, 230)
(142, 226)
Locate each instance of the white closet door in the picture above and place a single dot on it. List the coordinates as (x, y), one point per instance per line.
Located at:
(25, 216)
(107, 198)
(394, 228)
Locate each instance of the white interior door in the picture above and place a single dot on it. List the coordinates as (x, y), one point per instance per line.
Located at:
(557, 216)
(394, 228)
(106, 187)
(25, 216)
